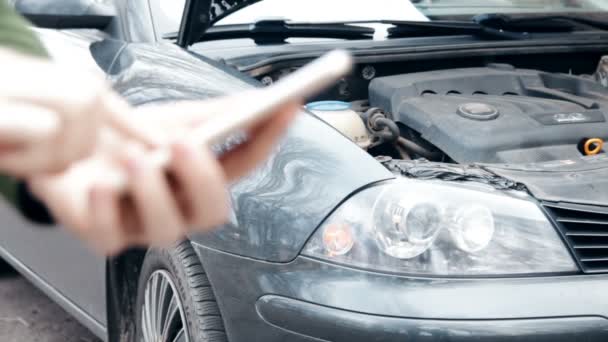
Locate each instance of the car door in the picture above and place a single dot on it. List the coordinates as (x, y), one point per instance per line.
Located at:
(59, 263)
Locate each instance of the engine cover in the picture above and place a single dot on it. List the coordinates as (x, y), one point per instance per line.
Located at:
(497, 114)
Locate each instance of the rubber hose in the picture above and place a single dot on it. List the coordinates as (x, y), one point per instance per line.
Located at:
(368, 114)
(412, 147)
(402, 152)
(381, 123)
(386, 136)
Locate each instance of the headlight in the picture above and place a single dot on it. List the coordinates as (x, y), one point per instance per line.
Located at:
(436, 228)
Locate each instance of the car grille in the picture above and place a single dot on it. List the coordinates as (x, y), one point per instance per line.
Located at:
(585, 229)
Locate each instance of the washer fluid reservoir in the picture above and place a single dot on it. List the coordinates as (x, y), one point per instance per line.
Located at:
(340, 115)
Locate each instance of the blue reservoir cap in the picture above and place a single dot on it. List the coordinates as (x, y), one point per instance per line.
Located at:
(328, 106)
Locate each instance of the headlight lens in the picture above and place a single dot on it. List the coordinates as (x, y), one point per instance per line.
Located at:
(439, 228)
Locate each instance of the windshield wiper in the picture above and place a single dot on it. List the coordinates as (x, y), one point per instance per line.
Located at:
(492, 26)
(539, 23)
(496, 26)
(278, 31)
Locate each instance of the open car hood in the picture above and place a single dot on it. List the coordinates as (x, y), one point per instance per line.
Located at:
(199, 15)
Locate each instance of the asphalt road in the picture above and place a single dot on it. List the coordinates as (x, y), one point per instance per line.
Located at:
(26, 314)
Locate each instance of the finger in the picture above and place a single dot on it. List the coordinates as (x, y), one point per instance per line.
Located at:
(153, 201)
(201, 179)
(260, 143)
(60, 88)
(61, 195)
(79, 133)
(106, 230)
(36, 159)
(26, 123)
(119, 115)
(25, 161)
(56, 83)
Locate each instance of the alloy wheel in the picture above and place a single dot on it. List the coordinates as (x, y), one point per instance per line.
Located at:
(162, 316)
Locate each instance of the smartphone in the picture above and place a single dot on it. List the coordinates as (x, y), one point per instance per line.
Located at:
(307, 81)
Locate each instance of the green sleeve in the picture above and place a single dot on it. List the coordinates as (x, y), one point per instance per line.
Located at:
(15, 33)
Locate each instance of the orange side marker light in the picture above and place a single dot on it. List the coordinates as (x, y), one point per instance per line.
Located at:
(338, 239)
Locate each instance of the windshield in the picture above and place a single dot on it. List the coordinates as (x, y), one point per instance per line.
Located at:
(167, 13)
(326, 10)
(473, 7)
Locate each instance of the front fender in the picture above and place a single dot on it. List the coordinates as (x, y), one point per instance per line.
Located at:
(278, 207)
(275, 209)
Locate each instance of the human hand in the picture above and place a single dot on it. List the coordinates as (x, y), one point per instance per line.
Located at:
(52, 119)
(154, 209)
(173, 121)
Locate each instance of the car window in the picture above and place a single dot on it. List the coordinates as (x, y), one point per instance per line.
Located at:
(166, 15)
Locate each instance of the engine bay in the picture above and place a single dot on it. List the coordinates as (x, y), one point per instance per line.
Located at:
(492, 114)
(496, 114)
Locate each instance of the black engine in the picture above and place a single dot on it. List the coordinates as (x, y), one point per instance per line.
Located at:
(496, 114)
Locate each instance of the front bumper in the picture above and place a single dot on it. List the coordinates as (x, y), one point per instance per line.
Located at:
(308, 300)
(331, 324)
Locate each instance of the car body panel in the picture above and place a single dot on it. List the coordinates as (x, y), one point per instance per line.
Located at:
(47, 250)
(35, 251)
(150, 72)
(276, 208)
(318, 322)
(147, 73)
(63, 8)
(161, 72)
(579, 181)
(416, 303)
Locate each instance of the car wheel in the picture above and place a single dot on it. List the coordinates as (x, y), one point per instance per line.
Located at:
(175, 302)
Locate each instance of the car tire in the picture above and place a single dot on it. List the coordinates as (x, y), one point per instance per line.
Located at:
(180, 270)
